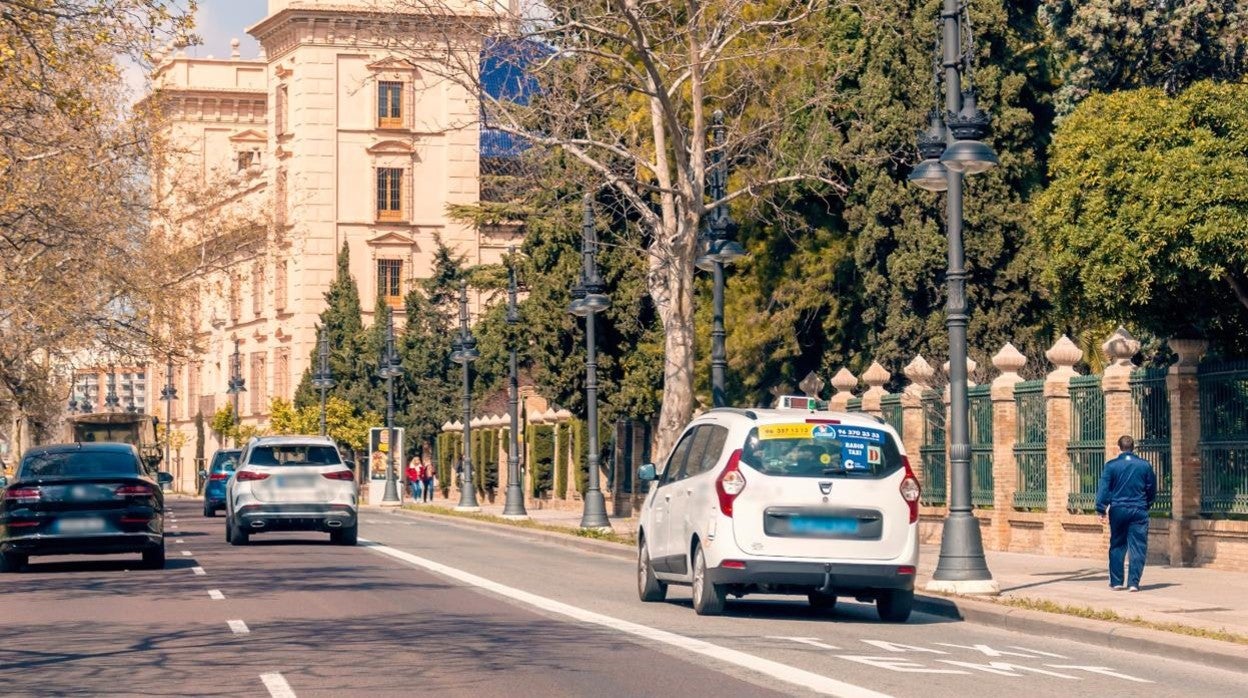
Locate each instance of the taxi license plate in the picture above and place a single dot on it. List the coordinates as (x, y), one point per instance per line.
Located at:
(816, 525)
(86, 525)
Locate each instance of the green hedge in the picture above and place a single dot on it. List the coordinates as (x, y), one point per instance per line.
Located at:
(450, 447)
(542, 450)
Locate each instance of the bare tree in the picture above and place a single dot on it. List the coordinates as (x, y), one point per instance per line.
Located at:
(627, 88)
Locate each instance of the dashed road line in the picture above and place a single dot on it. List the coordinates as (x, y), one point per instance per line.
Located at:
(276, 683)
(199, 571)
(215, 594)
(186, 553)
(179, 541)
(239, 627)
(776, 670)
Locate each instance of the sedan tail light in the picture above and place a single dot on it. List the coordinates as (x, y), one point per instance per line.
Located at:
(22, 494)
(910, 490)
(339, 475)
(250, 476)
(134, 491)
(731, 483)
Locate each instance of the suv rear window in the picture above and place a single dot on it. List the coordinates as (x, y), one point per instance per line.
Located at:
(820, 450)
(294, 455)
(79, 464)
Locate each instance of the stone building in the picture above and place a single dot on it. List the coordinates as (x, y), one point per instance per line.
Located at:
(321, 141)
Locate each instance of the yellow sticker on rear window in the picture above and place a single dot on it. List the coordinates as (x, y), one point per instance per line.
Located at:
(785, 431)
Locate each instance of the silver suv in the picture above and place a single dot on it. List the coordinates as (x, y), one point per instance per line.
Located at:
(783, 501)
(291, 483)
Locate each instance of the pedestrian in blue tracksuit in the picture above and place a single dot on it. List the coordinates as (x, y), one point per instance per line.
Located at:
(1128, 488)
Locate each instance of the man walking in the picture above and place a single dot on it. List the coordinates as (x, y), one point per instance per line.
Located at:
(1128, 488)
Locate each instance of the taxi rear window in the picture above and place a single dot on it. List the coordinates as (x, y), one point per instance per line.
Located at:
(821, 450)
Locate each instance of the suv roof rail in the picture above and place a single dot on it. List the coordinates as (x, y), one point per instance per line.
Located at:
(748, 414)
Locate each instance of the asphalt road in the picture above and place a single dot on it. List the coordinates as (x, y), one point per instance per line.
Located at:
(439, 608)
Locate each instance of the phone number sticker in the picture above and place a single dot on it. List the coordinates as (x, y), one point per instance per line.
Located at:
(785, 431)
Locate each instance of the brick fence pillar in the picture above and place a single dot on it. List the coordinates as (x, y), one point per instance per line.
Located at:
(920, 373)
(1004, 435)
(844, 382)
(875, 377)
(1116, 384)
(1184, 393)
(1063, 355)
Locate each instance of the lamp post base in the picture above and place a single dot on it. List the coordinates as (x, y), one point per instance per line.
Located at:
(969, 587)
(962, 567)
(594, 515)
(469, 509)
(390, 503)
(514, 508)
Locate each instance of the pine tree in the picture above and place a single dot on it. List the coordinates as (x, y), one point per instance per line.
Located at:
(342, 322)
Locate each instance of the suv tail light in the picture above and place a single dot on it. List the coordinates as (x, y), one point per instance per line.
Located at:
(730, 483)
(134, 491)
(22, 494)
(250, 476)
(339, 475)
(219, 476)
(910, 490)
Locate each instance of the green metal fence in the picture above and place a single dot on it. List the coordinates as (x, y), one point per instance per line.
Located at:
(1224, 438)
(854, 405)
(980, 399)
(890, 406)
(1087, 441)
(1150, 425)
(932, 451)
(1031, 446)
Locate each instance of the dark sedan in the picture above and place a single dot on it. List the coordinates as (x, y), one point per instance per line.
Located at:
(82, 499)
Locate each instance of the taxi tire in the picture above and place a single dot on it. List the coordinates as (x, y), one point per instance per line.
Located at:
(12, 562)
(708, 598)
(237, 535)
(154, 557)
(821, 602)
(894, 605)
(649, 588)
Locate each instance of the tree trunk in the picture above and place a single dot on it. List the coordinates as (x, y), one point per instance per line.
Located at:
(671, 287)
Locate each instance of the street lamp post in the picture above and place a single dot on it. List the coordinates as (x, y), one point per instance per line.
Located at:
(390, 369)
(236, 385)
(588, 300)
(721, 250)
(168, 394)
(465, 352)
(111, 401)
(73, 394)
(949, 151)
(514, 506)
(323, 378)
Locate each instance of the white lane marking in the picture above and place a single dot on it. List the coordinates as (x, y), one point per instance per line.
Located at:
(775, 670)
(1102, 670)
(239, 627)
(215, 594)
(278, 688)
(179, 540)
(812, 641)
(186, 553)
(199, 571)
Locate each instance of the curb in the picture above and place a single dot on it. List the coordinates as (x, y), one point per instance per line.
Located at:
(1214, 653)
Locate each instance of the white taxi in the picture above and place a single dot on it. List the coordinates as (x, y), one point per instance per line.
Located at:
(783, 501)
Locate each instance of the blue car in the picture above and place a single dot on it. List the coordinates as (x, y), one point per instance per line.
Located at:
(218, 474)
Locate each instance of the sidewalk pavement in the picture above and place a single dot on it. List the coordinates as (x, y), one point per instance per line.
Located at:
(1208, 599)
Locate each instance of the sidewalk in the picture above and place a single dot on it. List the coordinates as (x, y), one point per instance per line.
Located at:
(1211, 600)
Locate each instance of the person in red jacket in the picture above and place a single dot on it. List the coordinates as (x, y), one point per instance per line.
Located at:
(413, 478)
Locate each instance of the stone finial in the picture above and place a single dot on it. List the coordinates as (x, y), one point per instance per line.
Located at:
(447, 426)
(457, 426)
(1009, 361)
(811, 385)
(562, 415)
(971, 365)
(235, 54)
(1064, 354)
(920, 374)
(875, 377)
(263, 55)
(1189, 351)
(844, 381)
(1120, 347)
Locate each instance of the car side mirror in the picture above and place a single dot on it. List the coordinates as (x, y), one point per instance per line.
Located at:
(4, 482)
(164, 478)
(646, 473)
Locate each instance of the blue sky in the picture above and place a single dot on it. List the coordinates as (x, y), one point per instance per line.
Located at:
(218, 21)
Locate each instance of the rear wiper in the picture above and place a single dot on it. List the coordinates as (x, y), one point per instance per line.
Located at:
(835, 471)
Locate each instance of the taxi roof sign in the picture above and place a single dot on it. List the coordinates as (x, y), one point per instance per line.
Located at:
(800, 402)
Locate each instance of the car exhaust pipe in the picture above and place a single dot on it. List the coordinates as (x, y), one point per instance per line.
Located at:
(257, 524)
(334, 524)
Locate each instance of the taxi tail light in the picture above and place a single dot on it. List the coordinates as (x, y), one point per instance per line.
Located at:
(219, 476)
(910, 490)
(250, 476)
(339, 475)
(730, 483)
(22, 494)
(134, 491)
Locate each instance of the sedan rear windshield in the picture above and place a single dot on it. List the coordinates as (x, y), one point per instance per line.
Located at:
(79, 464)
(820, 450)
(294, 455)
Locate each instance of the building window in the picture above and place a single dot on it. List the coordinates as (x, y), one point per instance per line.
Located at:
(279, 193)
(257, 289)
(259, 386)
(389, 193)
(192, 390)
(281, 109)
(390, 281)
(279, 285)
(248, 158)
(236, 301)
(281, 373)
(389, 104)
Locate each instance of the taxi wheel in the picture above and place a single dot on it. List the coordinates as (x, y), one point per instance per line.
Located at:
(708, 598)
(894, 605)
(649, 588)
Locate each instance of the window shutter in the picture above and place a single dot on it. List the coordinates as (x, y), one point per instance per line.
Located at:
(407, 196)
(409, 105)
(378, 192)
